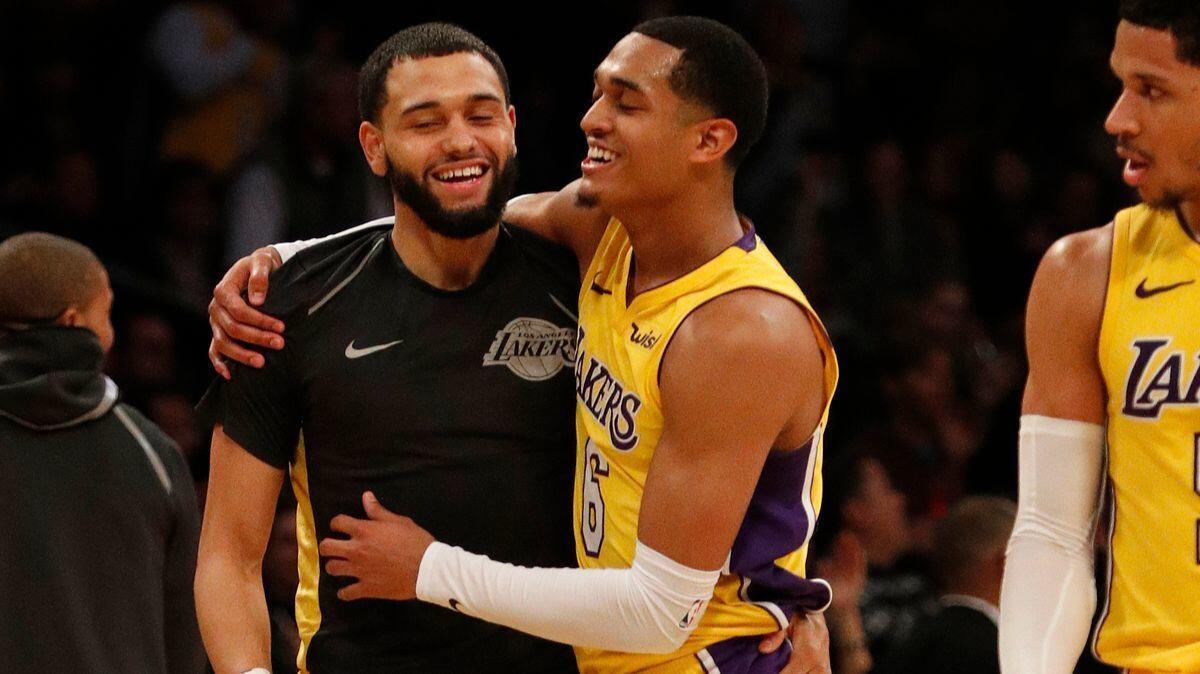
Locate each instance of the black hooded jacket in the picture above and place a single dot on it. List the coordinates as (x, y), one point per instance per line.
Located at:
(98, 519)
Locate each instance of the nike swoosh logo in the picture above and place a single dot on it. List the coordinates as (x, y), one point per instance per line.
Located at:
(596, 286)
(1143, 292)
(352, 352)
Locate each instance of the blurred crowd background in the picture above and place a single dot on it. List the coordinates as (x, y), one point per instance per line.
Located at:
(919, 159)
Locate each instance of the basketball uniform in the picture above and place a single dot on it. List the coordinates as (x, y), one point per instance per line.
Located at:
(619, 418)
(1149, 354)
(454, 407)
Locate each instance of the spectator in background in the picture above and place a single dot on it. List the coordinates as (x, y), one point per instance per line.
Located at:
(897, 593)
(99, 517)
(969, 565)
(228, 84)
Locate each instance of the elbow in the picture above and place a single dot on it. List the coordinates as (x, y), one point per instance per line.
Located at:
(1046, 533)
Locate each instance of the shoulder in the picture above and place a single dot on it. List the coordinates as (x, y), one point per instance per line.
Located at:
(155, 438)
(748, 321)
(1071, 282)
(541, 253)
(318, 270)
(1080, 256)
(751, 343)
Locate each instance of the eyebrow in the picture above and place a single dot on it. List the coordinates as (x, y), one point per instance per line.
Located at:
(1153, 79)
(620, 82)
(473, 98)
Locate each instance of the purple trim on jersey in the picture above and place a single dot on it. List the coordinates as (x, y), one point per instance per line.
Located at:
(740, 656)
(776, 524)
(749, 240)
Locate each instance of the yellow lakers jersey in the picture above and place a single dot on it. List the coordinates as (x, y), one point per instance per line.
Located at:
(1149, 354)
(619, 419)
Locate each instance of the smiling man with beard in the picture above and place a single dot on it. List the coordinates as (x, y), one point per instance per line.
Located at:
(428, 358)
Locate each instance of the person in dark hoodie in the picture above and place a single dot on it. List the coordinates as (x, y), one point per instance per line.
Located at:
(97, 511)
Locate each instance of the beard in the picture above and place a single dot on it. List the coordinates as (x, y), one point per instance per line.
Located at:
(464, 223)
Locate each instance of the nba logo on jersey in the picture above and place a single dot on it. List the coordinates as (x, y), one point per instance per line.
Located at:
(532, 348)
(692, 614)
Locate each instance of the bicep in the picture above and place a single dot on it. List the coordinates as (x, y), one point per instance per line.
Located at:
(1062, 332)
(240, 508)
(727, 394)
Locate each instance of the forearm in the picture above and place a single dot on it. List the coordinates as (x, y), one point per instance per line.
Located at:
(1048, 595)
(648, 608)
(232, 609)
(1046, 608)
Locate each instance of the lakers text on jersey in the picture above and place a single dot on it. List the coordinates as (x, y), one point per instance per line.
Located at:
(619, 419)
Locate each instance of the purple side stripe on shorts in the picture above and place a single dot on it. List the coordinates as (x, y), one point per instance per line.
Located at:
(740, 656)
(776, 524)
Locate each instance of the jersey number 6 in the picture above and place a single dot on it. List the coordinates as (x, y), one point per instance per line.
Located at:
(591, 524)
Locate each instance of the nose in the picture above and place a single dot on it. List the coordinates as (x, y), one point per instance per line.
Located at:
(1122, 119)
(596, 121)
(459, 140)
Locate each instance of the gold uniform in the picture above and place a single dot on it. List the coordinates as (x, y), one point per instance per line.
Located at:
(619, 419)
(1149, 355)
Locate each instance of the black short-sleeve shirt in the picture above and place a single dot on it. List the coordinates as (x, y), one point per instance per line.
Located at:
(455, 408)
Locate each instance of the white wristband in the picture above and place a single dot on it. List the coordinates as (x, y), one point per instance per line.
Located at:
(257, 670)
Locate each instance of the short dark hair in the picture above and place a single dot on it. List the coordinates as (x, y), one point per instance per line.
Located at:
(1180, 17)
(976, 528)
(44, 274)
(719, 70)
(424, 40)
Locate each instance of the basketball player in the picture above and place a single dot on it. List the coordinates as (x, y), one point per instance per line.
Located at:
(378, 322)
(703, 380)
(463, 463)
(1114, 360)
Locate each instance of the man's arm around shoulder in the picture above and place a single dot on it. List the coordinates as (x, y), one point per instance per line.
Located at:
(561, 218)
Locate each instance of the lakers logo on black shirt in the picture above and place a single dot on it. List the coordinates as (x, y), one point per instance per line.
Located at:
(532, 348)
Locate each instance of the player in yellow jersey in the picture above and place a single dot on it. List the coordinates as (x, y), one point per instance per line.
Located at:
(703, 379)
(1114, 359)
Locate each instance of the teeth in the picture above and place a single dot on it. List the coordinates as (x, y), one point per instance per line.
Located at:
(600, 154)
(469, 172)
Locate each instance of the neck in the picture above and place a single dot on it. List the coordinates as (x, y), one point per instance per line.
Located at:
(1190, 211)
(704, 219)
(440, 261)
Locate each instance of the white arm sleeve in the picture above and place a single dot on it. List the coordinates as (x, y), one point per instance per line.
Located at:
(287, 250)
(1049, 595)
(650, 607)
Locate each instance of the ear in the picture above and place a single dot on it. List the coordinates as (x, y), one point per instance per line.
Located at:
(71, 318)
(512, 119)
(714, 138)
(370, 137)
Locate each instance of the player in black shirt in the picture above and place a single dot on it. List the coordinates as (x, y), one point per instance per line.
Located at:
(428, 360)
